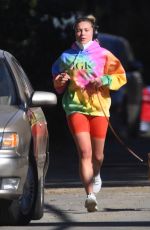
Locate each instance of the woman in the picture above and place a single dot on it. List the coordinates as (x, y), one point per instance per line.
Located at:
(86, 73)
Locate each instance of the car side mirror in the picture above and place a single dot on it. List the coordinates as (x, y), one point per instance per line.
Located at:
(41, 98)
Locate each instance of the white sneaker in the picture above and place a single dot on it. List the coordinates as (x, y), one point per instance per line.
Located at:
(91, 203)
(97, 183)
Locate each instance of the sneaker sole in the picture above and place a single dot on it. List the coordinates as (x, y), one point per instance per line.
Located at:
(91, 206)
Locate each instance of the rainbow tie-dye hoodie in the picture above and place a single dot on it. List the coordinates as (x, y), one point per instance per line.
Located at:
(83, 65)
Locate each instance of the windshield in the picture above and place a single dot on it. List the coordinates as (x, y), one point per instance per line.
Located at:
(7, 88)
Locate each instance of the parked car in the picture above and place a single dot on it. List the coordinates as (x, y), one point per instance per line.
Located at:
(24, 144)
(144, 129)
(126, 102)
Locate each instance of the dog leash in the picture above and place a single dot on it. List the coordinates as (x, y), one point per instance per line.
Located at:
(116, 135)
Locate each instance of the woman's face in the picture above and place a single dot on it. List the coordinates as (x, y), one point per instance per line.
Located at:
(84, 32)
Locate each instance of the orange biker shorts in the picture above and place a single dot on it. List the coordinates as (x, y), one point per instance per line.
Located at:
(95, 125)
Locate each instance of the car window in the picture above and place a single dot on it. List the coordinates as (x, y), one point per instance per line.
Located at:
(7, 87)
(26, 85)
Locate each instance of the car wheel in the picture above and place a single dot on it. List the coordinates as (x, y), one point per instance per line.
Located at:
(39, 206)
(19, 212)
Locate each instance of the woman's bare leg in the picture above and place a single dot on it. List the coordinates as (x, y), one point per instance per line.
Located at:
(84, 147)
(98, 154)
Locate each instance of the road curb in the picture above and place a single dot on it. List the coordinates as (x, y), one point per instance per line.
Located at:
(74, 183)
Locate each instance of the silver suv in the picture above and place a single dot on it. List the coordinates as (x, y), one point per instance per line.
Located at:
(24, 144)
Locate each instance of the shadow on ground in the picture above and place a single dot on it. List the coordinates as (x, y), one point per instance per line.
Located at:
(66, 221)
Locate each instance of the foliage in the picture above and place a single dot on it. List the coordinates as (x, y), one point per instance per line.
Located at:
(36, 31)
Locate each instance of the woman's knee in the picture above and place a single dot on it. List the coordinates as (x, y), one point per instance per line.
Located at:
(98, 156)
(85, 153)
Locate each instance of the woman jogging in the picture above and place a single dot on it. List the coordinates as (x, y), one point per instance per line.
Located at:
(85, 74)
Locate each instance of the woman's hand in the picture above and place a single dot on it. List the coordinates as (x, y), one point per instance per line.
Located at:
(95, 84)
(61, 80)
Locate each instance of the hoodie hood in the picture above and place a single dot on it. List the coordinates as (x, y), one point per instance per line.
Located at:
(84, 46)
(93, 45)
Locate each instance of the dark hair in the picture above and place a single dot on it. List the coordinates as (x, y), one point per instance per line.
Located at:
(84, 19)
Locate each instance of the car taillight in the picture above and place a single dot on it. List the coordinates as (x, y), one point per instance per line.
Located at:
(9, 141)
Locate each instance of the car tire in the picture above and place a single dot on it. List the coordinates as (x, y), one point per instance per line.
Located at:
(39, 206)
(19, 212)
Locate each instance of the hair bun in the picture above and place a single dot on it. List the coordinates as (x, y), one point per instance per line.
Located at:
(92, 18)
